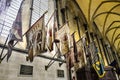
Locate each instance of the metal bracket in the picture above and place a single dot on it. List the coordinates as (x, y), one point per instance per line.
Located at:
(50, 63)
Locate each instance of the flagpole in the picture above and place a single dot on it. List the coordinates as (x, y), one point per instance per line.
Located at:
(35, 23)
(31, 9)
(51, 17)
(22, 35)
(57, 14)
(5, 41)
(28, 30)
(9, 35)
(3, 47)
(13, 46)
(50, 63)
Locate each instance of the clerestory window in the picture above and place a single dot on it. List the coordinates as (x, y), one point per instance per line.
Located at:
(8, 16)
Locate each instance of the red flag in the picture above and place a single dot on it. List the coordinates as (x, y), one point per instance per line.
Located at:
(15, 33)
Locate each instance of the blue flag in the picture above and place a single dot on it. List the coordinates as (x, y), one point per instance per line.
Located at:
(97, 61)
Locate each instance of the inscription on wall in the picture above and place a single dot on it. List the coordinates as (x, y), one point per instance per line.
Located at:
(26, 70)
(60, 73)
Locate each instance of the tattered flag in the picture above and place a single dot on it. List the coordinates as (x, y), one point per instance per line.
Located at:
(15, 32)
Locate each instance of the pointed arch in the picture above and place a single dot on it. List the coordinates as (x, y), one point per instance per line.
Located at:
(107, 17)
(105, 13)
(118, 45)
(112, 29)
(116, 38)
(114, 32)
(110, 26)
(101, 5)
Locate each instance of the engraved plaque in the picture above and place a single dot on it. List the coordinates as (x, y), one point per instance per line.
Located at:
(26, 70)
(60, 73)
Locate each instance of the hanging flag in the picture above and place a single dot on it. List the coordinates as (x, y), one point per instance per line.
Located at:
(50, 39)
(99, 67)
(81, 55)
(4, 4)
(64, 44)
(36, 37)
(63, 34)
(51, 26)
(97, 61)
(70, 58)
(85, 46)
(15, 32)
(75, 48)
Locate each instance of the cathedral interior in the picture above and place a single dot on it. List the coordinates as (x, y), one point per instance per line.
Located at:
(59, 39)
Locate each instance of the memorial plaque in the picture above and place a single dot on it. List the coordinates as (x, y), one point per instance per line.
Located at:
(60, 73)
(26, 70)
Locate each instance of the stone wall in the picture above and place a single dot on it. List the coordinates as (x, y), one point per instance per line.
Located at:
(11, 70)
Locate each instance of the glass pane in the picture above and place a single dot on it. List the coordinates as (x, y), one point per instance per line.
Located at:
(8, 16)
(39, 7)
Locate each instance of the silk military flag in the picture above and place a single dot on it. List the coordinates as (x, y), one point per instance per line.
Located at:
(97, 61)
(36, 37)
(63, 35)
(75, 48)
(50, 39)
(81, 55)
(70, 58)
(15, 32)
(51, 28)
(51, 35)
(64, 46)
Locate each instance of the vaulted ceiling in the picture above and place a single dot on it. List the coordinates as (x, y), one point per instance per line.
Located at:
(106, 15)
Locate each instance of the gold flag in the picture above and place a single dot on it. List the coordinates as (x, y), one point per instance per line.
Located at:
(63, 35)
(36, 39)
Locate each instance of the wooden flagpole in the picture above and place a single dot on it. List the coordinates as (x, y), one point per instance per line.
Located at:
(3, 49)
(51, 17)
(35, 23)
(5, 40)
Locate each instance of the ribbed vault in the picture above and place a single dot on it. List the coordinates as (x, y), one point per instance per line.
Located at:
(106, 15)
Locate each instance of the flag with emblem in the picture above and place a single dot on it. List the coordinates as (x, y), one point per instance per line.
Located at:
(36, 39)
(64, 44)
(51, 29)
(63, 35)
(97, 61)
